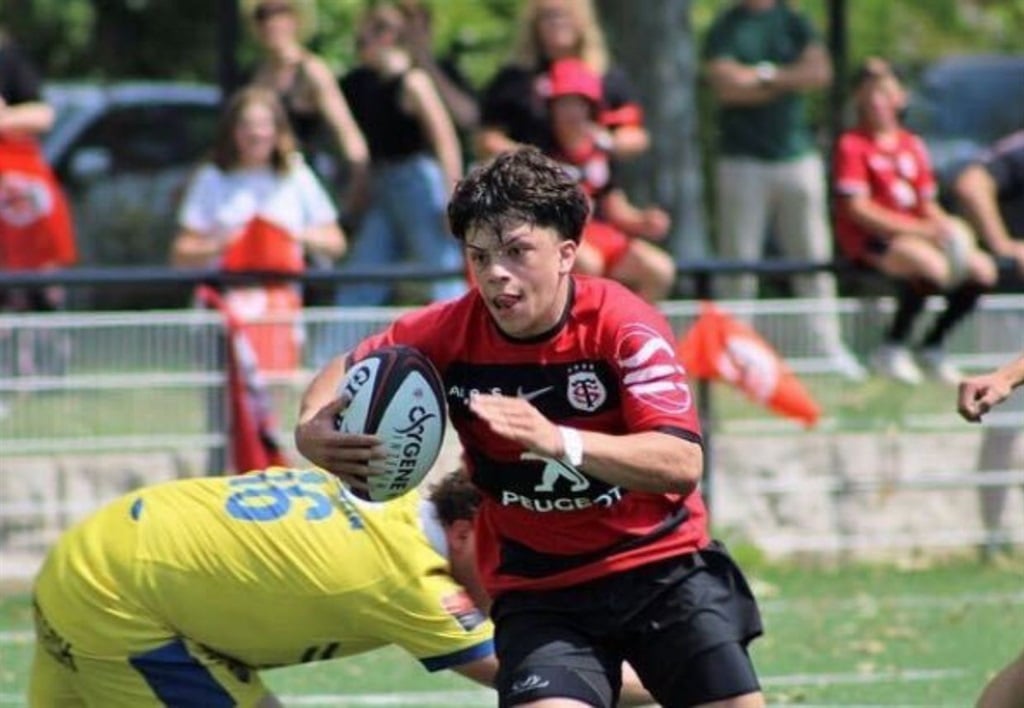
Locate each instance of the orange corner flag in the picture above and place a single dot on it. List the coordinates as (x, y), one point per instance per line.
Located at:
(718, 346)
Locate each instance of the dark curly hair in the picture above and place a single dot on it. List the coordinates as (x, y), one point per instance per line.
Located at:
(517, 187)
(455, 497)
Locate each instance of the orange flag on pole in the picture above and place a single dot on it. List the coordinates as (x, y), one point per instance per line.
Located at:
(254, 441)
(719, 346)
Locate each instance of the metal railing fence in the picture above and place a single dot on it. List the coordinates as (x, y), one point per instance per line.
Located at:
(119, 399)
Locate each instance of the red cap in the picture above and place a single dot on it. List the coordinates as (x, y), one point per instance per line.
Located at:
(572, 77)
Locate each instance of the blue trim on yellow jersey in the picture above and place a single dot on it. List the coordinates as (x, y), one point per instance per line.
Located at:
(178, 679)
(463, 656)
(136, 510)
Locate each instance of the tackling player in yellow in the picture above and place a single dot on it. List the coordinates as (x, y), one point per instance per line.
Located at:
(177, 593)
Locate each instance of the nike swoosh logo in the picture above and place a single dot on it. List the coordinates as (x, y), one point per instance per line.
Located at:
(530, 395)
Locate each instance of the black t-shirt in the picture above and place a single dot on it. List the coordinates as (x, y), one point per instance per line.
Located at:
(19, 82)
(1005, 163)
(391, 133)
(515, 102)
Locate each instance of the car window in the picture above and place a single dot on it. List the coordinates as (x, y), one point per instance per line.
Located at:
(150, 137)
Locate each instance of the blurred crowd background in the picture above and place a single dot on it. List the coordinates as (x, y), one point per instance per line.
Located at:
(86, 50)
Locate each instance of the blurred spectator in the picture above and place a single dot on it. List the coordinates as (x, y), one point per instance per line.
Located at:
(452, 85)
(36, 232)
(761, 57)
(888, 218)
(610, 243)
(514, 109)
(306, 87)
(415, 159)
(990, 192)
(256, 205)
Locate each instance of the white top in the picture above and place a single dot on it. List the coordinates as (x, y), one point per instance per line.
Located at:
(220, 204)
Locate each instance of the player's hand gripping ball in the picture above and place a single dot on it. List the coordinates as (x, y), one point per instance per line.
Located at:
(396, 394)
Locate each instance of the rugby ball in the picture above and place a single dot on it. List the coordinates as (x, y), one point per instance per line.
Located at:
(396, 394)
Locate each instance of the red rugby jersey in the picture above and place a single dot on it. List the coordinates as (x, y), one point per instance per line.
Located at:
(897, 176)
(608, 366)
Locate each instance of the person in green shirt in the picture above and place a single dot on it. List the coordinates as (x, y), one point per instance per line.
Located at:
(760, 58)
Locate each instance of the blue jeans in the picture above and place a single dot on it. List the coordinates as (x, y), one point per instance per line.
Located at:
(406, 219)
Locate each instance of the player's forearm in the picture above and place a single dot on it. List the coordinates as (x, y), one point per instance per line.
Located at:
(1013, 372)
(645, 462)
(323, 388)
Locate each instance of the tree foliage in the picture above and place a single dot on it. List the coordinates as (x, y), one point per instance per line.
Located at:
(177, 39)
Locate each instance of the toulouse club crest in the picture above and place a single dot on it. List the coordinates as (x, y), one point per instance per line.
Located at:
(585, 390)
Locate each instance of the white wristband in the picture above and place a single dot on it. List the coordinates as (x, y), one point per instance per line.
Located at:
(572, 442)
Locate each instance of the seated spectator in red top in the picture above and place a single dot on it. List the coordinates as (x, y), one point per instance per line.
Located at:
(513, 111)
(887, 217)
(610, 246)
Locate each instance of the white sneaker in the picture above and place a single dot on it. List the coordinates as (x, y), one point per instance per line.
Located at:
(937, 366)
(896, 362)
(846, 365)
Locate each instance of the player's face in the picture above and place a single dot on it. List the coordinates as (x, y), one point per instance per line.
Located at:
(255, 134)
(523, 276)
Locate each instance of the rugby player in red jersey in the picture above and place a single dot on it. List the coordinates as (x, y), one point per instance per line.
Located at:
(578, 425)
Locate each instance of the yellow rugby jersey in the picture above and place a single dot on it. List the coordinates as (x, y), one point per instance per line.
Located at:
(269, 569)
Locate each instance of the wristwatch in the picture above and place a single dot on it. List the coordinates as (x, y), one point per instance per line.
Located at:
(766, 72)
(572, 441)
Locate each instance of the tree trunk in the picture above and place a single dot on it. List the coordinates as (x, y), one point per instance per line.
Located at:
(654, 42)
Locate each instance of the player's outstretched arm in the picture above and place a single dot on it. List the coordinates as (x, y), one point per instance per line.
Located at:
(647, 462)
(978, 394)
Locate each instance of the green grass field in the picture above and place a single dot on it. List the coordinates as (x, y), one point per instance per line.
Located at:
(852, 636)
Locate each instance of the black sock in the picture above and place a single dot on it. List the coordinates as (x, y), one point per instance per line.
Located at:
(909, 303)
(959, 303)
